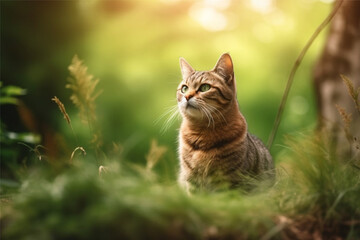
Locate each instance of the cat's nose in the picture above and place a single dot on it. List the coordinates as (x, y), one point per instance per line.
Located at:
(188, 96)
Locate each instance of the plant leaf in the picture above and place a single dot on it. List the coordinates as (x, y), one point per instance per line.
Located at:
(13, 91)
(8, 100)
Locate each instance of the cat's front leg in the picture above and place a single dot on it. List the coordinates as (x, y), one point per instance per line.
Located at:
(184, 182)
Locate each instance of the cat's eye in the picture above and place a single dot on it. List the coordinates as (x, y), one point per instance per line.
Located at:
(184, 88)
(204, 87)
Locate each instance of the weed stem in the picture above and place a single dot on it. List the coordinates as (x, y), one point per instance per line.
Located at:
(293, 71)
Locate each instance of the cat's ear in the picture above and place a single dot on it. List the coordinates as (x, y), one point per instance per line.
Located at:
(186, 69)
(224, 67)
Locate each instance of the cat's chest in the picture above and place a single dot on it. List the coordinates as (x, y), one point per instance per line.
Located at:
(203, 168)
(198, 159)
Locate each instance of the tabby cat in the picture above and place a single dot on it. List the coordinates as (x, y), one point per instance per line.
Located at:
(215, 148)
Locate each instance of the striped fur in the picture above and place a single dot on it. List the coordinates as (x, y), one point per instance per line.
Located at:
(215, 148)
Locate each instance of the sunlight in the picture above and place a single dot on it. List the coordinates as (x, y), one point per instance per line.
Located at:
(327, 1)
(170, 1)
(208, 14)
(263, 6)
(209, 18)
(219, 4)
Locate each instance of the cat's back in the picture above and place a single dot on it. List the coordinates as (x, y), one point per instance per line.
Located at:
(260, 155)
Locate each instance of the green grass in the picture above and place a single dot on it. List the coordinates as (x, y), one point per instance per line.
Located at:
(315, 195)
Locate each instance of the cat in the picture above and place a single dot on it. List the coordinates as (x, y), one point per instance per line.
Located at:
(215, 148)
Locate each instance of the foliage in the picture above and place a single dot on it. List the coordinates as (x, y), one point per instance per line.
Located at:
(119, 205)
(317, 196)
(325, 188)
(10, 93)
(10, 141)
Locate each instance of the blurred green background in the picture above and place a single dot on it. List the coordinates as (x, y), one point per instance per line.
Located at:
(133, 47)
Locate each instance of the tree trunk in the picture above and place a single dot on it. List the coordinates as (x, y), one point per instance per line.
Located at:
(338, 115)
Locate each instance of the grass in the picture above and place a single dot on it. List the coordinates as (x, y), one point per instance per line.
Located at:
(327, 189)
(315, 196)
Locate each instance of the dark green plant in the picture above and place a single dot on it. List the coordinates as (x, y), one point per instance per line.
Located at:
(12, 143)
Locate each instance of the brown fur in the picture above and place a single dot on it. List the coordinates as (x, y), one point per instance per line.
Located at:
(215, 147)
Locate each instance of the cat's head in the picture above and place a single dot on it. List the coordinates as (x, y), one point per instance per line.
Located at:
(207, 95)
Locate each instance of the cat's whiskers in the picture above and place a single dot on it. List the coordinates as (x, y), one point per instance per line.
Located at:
(203, 106)
(210, 110)
(204, 112)
(210, 117)
(172, 112)
(175, 113)
(216, 112)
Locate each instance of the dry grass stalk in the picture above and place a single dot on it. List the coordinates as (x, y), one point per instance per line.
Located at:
(97, 139)
(75, 150)
(144, 172)
(84, 94)
(102, 170)
(154, 155)
(346, 117)
(353, 93)
(62, 109)
(347, 120)
(350, 87)
(83, 86)
(36, 150)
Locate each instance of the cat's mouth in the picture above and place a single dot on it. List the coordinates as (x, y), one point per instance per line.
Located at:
(189, 105)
